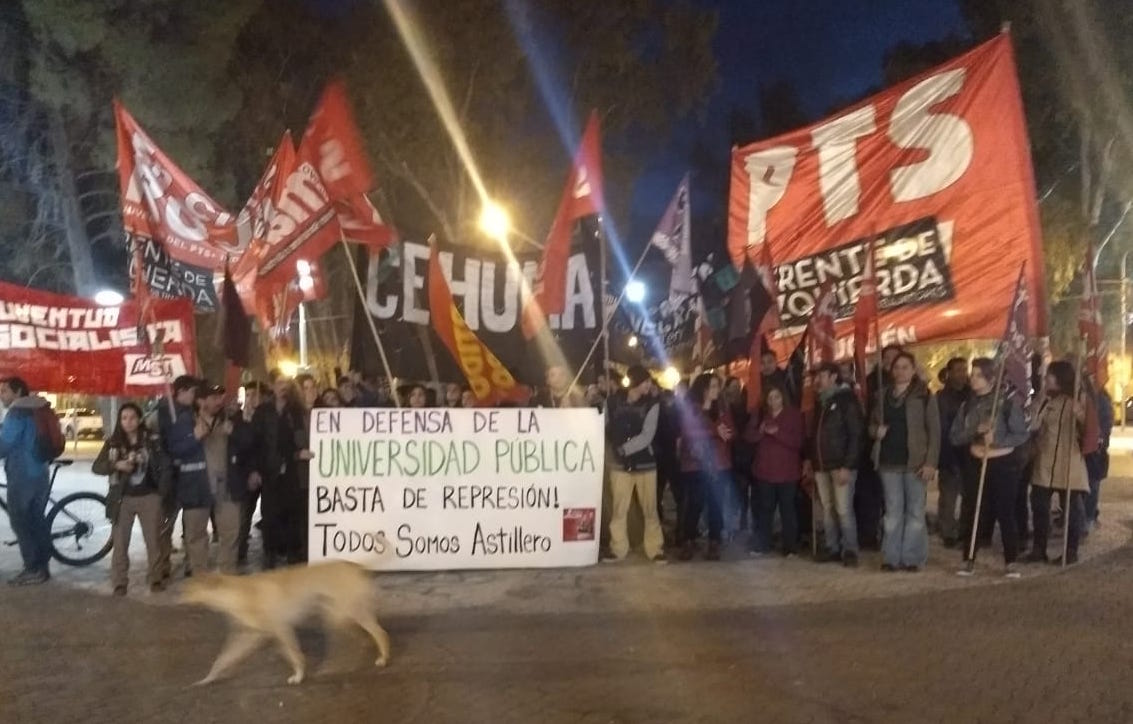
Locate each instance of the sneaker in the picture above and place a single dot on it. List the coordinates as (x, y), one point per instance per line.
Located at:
(968, 570)
(849, 559)
(758, 554)
(120, 591)
(911, 569)
(688, 550)
(660, 559)
(1071, 559)
(608, 557)
(1035, 557)
(713, 553)
(886, 568)
(951, 542)
(790, 555)
(158, 587)
(825, 556)
(1012, 571)
(30, 578)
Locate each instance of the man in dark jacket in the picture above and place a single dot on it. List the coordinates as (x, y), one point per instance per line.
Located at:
(836, 449)
(28, 480)
(255, 394)
(228, 446)
(279, 428)
(182, 435)
(631, 430)
(951, 479)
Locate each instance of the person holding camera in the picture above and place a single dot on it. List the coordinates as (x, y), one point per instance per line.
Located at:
(139, 476)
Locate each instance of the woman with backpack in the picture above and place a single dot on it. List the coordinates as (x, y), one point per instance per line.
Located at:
(134, 460)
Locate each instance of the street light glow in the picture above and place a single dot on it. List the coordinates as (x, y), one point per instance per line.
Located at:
(108, 298)
(288, 368)
(494, 220)
(635, 291)
(303, 267)
(632, 341)
(306, 283)
(670, 378)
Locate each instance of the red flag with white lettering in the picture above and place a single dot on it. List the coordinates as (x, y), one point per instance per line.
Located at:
(581, 197)
(865, 321)
(935, 171)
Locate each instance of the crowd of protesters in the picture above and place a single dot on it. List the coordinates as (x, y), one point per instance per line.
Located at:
(850, 474)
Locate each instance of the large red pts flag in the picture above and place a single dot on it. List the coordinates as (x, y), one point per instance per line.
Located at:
(937, 169)
(581, 197)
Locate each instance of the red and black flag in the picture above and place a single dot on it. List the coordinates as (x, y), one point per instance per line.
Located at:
(581, 197)
(865, 320)
(1015, 348)
(764, 320)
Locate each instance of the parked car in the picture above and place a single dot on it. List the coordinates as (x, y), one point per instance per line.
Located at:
(80, 422)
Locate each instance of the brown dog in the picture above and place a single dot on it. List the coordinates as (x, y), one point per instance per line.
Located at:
(271, 604)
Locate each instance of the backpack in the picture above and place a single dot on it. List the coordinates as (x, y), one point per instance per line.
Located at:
(49, 440)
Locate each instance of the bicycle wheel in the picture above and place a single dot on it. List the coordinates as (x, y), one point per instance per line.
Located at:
(80, 532)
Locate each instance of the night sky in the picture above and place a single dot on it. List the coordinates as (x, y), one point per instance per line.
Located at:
(831, 51)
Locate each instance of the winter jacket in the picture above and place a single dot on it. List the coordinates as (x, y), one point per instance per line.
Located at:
(1060, 462)
(922, 424)
(277, 440)
(950, 401)
(191, 489)
(837, 432)
(229, 459)
(778, 454)
(631, 428)
(1010, 425)
(701, 447)
(18, 434)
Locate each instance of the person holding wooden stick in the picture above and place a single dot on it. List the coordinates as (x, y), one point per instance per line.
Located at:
(991, 426)
(1061, 423)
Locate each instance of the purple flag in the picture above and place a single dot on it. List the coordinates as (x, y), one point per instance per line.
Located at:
(673, 239)
(1015, 348)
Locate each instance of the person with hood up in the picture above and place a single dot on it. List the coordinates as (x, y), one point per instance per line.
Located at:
(28, 480)
(905, 426)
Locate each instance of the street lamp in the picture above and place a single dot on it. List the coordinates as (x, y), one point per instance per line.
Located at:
(494, 221)
(306, 284)
(635, 291)
(108, 298)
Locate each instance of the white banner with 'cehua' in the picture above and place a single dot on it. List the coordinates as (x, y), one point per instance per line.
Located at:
(453, 489)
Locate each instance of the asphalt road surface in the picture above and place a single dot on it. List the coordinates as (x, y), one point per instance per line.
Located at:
(1050, 648)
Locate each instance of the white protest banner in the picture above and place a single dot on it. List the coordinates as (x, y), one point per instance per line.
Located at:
(456, 488)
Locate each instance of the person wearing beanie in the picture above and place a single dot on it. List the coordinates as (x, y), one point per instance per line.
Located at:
(631, 428)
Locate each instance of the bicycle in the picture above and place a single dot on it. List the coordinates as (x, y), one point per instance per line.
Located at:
(78, 518)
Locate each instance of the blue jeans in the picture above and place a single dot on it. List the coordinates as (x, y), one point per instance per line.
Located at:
(26, 503)
(839, 523)
(906, 533)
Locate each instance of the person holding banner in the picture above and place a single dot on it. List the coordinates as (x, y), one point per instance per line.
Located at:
(1065, 433)
(836, 450)
(182, 434)
(996, 441)
(277, 425)
(905, 426)
(631, 429)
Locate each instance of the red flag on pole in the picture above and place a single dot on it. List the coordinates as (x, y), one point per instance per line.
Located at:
(1090, 325)
(581, 197)
(865, 320)
(821, 326)
(764, 318)
(490, 381)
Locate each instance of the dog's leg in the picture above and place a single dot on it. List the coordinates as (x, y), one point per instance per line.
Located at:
(290, 648)
(238, 646)
(370, 624)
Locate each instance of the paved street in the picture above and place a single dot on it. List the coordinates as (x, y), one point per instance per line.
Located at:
(738, 641)
(1053, 648)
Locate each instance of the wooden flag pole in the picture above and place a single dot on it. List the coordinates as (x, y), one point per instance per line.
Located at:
(610, 313)
(983, 462)
(370, 319)
(1073, 409)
